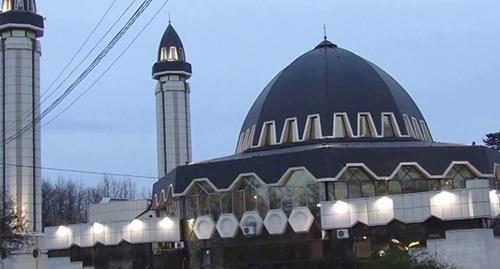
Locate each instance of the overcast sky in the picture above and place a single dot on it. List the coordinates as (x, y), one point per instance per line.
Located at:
(446, 54)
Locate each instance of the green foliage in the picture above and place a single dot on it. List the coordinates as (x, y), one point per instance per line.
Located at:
(492, 140)
(402, 260)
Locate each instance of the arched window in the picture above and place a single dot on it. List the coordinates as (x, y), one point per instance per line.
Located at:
(456, 177)
(359, 183)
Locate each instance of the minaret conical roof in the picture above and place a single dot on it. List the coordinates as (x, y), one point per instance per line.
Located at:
(171, 55)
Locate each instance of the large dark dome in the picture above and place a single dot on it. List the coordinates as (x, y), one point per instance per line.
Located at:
(329, 80)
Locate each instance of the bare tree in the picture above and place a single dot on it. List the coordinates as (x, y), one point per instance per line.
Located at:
(67, 202)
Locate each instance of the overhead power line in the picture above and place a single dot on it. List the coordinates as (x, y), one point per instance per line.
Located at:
(87, 71)
(109, 67)
(82, 171)
(28, 113)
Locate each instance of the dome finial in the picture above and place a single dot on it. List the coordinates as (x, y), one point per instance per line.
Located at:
(324, 32)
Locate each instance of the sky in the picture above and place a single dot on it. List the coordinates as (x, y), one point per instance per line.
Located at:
(445, 53)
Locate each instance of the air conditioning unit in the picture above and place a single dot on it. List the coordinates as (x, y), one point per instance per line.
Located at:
(179, 245)
(343, 234)
(249, 230)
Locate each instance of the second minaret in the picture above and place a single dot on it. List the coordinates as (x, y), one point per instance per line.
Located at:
(172, 103)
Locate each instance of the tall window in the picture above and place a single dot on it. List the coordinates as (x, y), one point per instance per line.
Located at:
(388, 126)
(163, 54)
(173, 56)
(409, 128)
(340, 127)
(417, 130)
(364, 127)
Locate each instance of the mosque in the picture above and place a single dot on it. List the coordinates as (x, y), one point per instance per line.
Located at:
(334, 162)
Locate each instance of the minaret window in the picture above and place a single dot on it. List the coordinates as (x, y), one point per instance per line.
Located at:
(172, 55)
(164, 54)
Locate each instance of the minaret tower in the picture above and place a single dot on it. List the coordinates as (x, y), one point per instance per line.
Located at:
(20, 180)
(172, 103)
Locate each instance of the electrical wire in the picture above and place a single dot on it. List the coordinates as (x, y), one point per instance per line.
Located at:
(87, 71)
(28, 113)
(109, 67)
(82, 171)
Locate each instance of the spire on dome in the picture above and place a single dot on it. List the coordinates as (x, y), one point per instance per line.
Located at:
(19, 5)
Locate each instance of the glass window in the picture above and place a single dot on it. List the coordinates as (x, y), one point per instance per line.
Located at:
(388, 126)
(340, 127)
(286, 199)
(250, 199)
(206, 257)
(364, 127)
(409, 128)
(300, 178)
(192, 206)
(368, 189)
(433, 185)
(341, 191)
(239, 203)
(394, 187)
(298, 196)
(227, 202)
(330, 188)
(417, 130)
(173, 54)
(313, 194)
(354, 189)
(313, 132)
(215, 208)
(163, 54)
(458, 175)
(421, 185)
(381, 187)
(407, 186)
(446, 184)
(274, 198)
(203, 204)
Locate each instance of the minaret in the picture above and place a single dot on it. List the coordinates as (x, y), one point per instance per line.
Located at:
(172, 103)
(20, 180)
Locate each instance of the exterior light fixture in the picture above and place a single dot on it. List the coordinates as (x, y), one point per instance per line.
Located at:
(166, 223)
(136, 225)
(384, 203)
(340, 207)
(98, 228)
(318, 205)
(444, 198)
(63, 231)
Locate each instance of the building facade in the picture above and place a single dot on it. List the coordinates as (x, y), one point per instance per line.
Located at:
(334, 162)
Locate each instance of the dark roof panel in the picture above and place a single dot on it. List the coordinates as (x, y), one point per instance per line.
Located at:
(325, 81)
